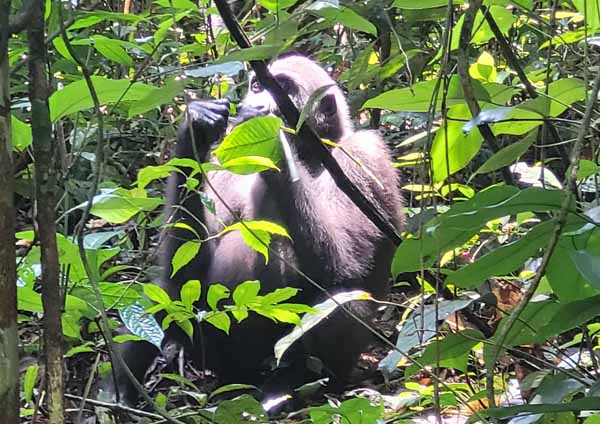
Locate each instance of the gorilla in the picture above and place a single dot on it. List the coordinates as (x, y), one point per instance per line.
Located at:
(332, 241)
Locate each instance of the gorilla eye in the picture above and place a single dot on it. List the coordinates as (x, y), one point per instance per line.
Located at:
(255, 86)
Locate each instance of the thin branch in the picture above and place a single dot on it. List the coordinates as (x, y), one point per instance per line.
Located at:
(21, 21)
(291, 115)
(467, 86)
(570, 190)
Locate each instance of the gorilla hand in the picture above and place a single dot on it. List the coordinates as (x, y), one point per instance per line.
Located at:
(205, 122)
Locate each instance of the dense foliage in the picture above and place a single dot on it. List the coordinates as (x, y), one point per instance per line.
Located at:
(489, 108)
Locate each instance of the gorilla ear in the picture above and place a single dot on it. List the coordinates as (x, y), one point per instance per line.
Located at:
(328, 106)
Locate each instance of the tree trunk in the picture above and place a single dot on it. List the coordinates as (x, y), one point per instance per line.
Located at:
(45, 186)
(9, 359)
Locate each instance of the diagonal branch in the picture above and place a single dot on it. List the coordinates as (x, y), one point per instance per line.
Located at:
(465, 81)
(291, 115)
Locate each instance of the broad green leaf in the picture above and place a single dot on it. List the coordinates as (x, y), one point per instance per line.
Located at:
(87, 19)
(187, 327)
(452, 149)
(505, 259)
(256, 137)
(141, 323)
(249, 165)
(263, 52)
(112, 50)
(257, 234)
(419, 97)
(84, 348)
(463, 220)
(323, 310)
(157, 294)
(484, 69)
(356, 410)
(578, 405)
(21, 134)
(216, 292)
(453, 351)
(586, 168)
(184, 254)
(423, 4)
(118, 295)
(150, 173)
(279, 295)
(158, 97)
(343, 15)
(274, 5)
(177, 4)
(190, 293)
(561, 94)
(219, 320)
(567, 282)
(76, 97)
(29, 300)
(29, 381)
(119, 205)
(246, 292)
(70, 324)
(570, 315)
(507, 155)
(483, 33)
(229, 388)
(420, 326)
(588, 266)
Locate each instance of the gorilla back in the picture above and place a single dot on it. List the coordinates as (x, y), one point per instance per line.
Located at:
(332, 241)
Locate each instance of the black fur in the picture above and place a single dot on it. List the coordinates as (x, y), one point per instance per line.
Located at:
(331, 239)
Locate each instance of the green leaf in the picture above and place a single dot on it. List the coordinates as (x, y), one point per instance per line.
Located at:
(158, 97)
(578, 405)
(507, 155)
(230, 388)
(76, 97)
(84, 348)
(505, 259)
(419, 327)
(21, 134)
(463, 220)
(216, 292)
(343, 15)
(255, 137)
(29, 381)
(262, 52)
(190, 293)
(157, 294)
(279, 295)
(112, 50)
(70, 324)
(257, 234)
(246, 292)
(219, 320)
(452, 149)
(249, 165)
(177, 4)
(323, 310)
(119, 205)
(187, 327)
(274, 5)
(419, 97)
(561, 94)
(452, 350)
(118, 295)
(423, 4)
(570, 315)
(184, 254)
(141, 323)
(588, 266)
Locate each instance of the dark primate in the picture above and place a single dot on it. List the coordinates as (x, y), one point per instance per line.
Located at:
(332, 241)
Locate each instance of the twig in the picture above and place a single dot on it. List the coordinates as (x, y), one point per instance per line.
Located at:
(465, 81)
(570, 189)
(115, 407)
(291, 115)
